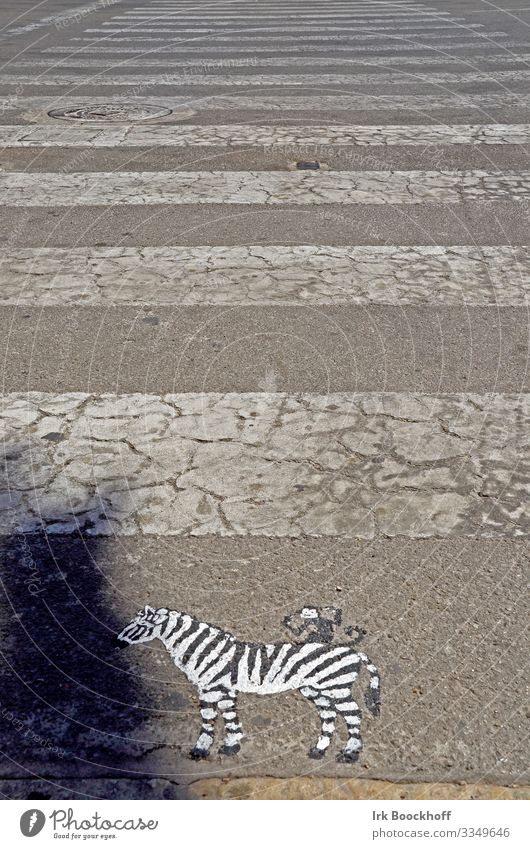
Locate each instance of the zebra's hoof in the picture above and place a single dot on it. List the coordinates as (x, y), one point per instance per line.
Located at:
(198, 754)
(316, 754)
(348, 757)
(230, 750)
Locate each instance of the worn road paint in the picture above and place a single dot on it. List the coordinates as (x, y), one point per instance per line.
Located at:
(260, 187)
(160, 135)
(267, 274)
(351, 465)
(397, 79)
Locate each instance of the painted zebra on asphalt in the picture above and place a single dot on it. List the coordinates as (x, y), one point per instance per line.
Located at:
(221, 666)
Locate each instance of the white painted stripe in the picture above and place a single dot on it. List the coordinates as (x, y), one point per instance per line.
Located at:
(64, 19)
(301, 28)
(81, 60)
(295, 39)
(171, 135)
(262, 15)
(328, 25)
(351, 465)
(395, 78)
(97, 47)
(260, 187)
(290, 9)
(271, 274)
(263, 21)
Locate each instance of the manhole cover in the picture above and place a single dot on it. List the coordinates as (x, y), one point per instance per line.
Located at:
(122, 112)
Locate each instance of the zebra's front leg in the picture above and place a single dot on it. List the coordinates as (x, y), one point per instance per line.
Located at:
(327, 712)
(204, 742)
(233, 729)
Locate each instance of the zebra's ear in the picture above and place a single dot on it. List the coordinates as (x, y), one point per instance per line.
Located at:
(148, 609)
(334, 614)
(295, 628)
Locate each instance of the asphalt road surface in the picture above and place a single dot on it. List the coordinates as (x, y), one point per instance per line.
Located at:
(237, 386)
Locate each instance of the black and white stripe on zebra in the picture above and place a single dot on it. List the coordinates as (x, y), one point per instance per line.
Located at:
(221, 667)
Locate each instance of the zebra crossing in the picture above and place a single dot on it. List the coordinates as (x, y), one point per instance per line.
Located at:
(268, 346)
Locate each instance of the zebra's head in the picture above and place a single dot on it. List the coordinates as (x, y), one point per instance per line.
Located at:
(146, 625)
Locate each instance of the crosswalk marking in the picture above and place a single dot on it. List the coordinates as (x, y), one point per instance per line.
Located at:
(213, 79)
(450, 42)
(260, 187)
(358, 466)
(368, 18)
(272, 274)
(388, 52)
(376, 13)
(244, 37)
(249, 134)
(76, 60)
(347, 26)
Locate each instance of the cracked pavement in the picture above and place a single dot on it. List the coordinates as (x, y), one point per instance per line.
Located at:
(49, 135)
(269, 80)
(360, 466)
(255, 187)
(267, 274)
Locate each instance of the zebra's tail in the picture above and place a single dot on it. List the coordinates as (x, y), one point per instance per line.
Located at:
(373, 693)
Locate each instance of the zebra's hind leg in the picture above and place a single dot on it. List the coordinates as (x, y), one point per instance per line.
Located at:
(326, 709)
(204, 742)
(233, 729)
(351, 713)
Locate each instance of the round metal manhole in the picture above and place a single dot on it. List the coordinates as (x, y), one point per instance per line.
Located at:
(111, 112)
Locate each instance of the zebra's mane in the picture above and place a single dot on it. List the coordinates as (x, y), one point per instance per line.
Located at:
(195, 620)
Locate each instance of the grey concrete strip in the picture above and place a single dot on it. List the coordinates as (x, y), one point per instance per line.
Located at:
(344, 348)
(359, 466)
(266, 157)
(479, 223)
(265, 80)
(261, 187)
(61, 135)
(422, 104)
(446, 621)
(274, 274)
